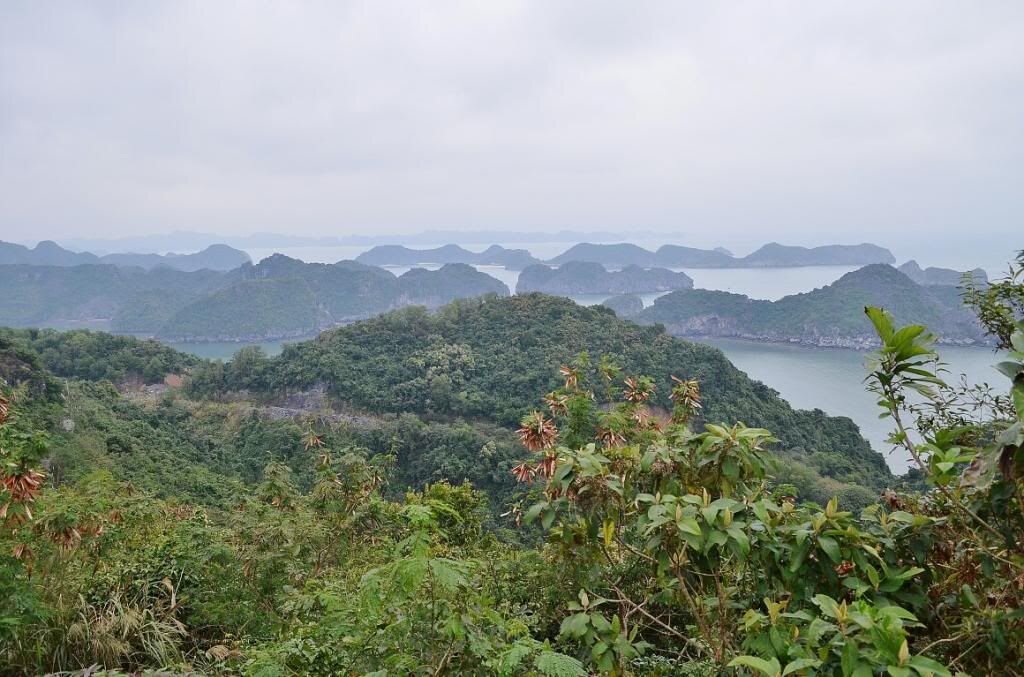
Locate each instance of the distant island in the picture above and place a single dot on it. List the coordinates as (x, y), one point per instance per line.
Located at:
(941, 276)
(184, 239)
(279, 297)
(577, 277)
(772, 255)
(828, 317)
(495, 255)
(624, 305)
(49, 253)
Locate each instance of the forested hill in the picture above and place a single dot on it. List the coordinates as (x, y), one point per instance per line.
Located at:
(283, 297)
(829, 316)
(578, 277)
(276, 298)
(442, 393)
(491, 359)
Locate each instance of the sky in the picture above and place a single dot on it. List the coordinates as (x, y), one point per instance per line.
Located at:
(714, 123)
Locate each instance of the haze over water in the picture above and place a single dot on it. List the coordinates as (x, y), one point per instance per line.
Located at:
(760, 283)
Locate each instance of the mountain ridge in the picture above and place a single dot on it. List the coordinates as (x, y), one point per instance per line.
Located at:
(219, 257)
(400, 255)
(578, 277)
(210, 305)
(831, 316)
(771, 255)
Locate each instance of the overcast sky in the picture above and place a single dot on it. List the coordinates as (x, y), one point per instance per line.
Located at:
(716, 122)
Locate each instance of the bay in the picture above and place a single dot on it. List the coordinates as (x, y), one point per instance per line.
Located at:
(225, 350)
(832, 379)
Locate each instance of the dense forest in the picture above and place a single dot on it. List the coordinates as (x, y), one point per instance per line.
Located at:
(489, 358)
(514, 486)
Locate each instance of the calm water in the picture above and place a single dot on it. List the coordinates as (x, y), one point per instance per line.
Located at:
(225, 350)
(833, 380)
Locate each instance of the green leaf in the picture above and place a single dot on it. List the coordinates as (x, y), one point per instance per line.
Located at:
(688, 525)
(850, 657)
(926, 667)
(553, 664)
(831, 548)
(548, 519)
(882, 322)
(534, 511)
(514, 656)
(561, 472)
(873, 575)
(737, 534)
(575, 626)
(448, 574)
(769, 668)
(798, 558)
(801, 664)
(1009, 369)
(828, 606)
(902, 516)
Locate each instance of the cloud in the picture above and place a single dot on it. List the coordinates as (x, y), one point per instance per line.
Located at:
(718, 122)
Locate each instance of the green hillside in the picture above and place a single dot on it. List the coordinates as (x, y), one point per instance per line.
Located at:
(252, 309)
(831, 315)
(490, 359)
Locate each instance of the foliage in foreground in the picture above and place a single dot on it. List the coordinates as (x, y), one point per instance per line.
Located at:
(666, 551)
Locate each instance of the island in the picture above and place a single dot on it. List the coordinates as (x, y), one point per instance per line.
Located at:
(772, 255)
(49, 253)
(495, 255)
(624, 305)
(831, 316)
(578, 277)
(280, 297)
(943, 277)
(284, 298)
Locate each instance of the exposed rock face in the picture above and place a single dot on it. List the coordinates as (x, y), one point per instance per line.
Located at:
(576, 277)
(941, 276)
